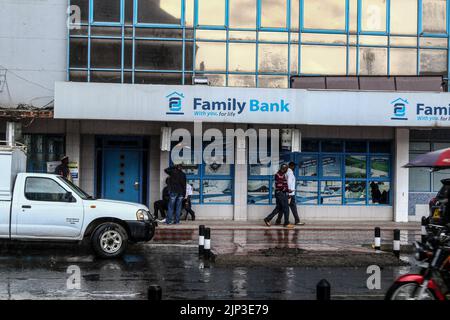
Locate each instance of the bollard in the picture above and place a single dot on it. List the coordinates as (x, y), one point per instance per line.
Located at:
(323, 290)
(423, 230)
(396, 244)
(154, 292)
(207, 247)
(377, 238)
(201, 239)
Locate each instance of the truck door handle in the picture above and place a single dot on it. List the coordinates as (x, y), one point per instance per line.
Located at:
(26, 207)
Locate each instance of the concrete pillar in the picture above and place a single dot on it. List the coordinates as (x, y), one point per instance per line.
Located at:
(73, 145)
(154, 170)
(401, 175)
(163, 164)
(240, 181)
(11, 128)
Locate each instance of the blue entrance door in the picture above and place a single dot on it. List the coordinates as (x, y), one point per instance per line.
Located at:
(122, 175)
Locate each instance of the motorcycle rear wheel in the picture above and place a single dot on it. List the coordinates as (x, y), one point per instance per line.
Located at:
(405, 290)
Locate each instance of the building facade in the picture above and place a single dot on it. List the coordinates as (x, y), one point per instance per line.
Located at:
(94, 79)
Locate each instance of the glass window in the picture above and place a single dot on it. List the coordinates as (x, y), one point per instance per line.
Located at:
(78, 52)
(41, 149)
(273, 13)
(242, 14)
(356, 146)
(106, 53)
(158, 55)
(295, 14)
(355, 192)
(434, 16)
(217, 191)
(324, 14)
(330, 192)
(258, 191)
(195, 198)
(241, 80)
(419, 179)
(373, 61)
(433, 62)
(307, 166)
(272, 82)
(373, 15)
(217, 169)
(403, 61)
(419, 146)
(332, 146)
(84, 9)
(44, 189)
(379, 166)
(331, 166)
(310, 145)
(211, 12)
(399, 10)
(107, 11)
(438, 176)
(355, 166)
(159, 11)
(211, 56)
(379, 192)
(307, 192)
(272, 58)
(323, 60)
(380, 147)
(242, 57)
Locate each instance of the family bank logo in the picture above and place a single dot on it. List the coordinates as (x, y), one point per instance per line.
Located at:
(175, 100)
(399, 111)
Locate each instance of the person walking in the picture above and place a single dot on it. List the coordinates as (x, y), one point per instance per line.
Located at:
(177, 191)
(290, 176)
(187, 203)
(63, 169)
(281, 196)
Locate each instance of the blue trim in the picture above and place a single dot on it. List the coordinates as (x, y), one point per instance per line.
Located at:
(188, 45)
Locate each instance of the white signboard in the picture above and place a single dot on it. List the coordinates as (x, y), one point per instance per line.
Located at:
(250, 105)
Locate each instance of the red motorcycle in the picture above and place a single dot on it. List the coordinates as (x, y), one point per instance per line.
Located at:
(433, 282)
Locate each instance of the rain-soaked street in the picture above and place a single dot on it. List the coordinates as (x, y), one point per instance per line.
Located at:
(171, 261)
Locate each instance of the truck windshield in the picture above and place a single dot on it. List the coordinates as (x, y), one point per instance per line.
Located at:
(83, 195)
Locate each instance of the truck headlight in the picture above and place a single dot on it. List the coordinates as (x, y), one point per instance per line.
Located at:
(142, 215)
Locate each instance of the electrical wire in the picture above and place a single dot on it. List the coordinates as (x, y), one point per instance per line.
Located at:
(24, 79)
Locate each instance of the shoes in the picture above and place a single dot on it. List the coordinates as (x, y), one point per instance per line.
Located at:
(162, 220)
(299, 223)
(267, 222)
(289, 226)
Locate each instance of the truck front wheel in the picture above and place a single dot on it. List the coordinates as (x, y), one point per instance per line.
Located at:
(109, 240)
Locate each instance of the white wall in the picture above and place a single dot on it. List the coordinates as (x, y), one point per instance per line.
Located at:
(33, 50)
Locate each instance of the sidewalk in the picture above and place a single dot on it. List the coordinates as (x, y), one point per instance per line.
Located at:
(242, 237)
(310, 225)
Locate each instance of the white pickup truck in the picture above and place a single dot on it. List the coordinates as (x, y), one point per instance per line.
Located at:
(47, 207)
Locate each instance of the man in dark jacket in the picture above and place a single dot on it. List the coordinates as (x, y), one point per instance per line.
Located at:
(63, 169)
(176, 185)
(281, 196)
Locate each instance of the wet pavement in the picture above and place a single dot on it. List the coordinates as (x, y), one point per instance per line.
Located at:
(171, 261)
(180, 273)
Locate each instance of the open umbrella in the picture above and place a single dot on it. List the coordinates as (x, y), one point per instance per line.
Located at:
(437, 160)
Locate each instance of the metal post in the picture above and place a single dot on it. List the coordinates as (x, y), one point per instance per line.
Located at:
(201, 239)
(11, 133)
(377, 238)
(396, 244)
(207, 248)
(154, 292)
(423, 230)
(323, 290)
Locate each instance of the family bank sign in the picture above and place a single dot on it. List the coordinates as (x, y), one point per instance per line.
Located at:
(106, 101)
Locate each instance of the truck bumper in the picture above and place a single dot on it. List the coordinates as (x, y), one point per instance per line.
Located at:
(141, 231)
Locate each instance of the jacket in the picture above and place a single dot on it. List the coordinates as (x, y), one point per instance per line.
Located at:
(177, 181)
